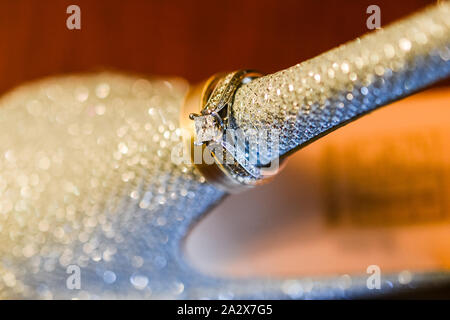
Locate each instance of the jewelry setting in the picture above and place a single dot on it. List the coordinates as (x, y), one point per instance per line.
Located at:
(213, 129)
(213, 119)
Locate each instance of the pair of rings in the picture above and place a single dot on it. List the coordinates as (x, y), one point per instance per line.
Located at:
(221, 151)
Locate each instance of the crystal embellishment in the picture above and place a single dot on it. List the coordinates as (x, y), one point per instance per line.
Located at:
(207, 128)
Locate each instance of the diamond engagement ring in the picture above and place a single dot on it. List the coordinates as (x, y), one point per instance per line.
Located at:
(214, 141)
(211, 122)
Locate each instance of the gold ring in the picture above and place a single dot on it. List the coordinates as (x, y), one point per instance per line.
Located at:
(204, 120)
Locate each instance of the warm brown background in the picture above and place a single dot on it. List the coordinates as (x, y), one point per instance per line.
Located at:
(192, 39)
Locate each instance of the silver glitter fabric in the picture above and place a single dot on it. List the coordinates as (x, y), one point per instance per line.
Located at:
(86, 179)
(310, 99)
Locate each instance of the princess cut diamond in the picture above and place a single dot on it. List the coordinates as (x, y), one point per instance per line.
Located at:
(207, 129)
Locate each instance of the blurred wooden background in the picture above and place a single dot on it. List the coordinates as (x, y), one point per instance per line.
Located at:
(192, 39)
